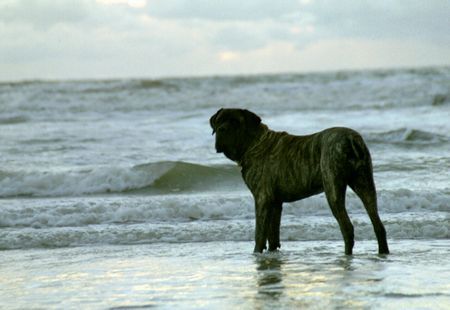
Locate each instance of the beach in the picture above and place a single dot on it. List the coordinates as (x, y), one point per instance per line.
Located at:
(112, 195)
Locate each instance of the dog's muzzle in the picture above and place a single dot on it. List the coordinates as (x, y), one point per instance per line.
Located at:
(219, 148)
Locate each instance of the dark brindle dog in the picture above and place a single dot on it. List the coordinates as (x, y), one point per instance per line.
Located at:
(278, 167)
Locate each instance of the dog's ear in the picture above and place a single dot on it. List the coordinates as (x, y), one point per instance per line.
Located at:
(212, 121)
(251, 119)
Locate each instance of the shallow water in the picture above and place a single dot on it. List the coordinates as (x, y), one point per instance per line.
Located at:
(224, 275)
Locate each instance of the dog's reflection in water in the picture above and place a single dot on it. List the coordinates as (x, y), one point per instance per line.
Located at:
(269, 275)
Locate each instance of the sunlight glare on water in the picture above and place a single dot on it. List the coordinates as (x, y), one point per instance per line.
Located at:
(313, 275)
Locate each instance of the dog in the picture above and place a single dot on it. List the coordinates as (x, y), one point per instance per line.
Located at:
(279, 167)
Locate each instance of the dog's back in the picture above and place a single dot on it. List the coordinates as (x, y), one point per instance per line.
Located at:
(304, 160)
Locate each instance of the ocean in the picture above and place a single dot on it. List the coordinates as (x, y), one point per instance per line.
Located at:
(112, 195)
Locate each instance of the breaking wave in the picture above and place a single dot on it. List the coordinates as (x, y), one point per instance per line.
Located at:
(415, 226)
(13, 119)
(159, 177)
(127, 219)
(407, 136)
(126, 209)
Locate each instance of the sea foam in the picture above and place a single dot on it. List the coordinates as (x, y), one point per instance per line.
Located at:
(179, 208)
(416, 226)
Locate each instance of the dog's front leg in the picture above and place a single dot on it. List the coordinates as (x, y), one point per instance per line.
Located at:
(274, 226)
(262, 208)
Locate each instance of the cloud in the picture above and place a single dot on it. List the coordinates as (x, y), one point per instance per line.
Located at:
(44, 13)
(383, 19)
(335, 54)
(111, 41)
(38, 30)
(253, 24)
(131, 3)
(222, 10)
(241, 37)
(120, 38)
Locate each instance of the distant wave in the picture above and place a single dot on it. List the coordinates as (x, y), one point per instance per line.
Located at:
(109, 86)
(159, 177)
(13, 119)
(291, 93)
(21, 83)
(441, 99)
(407, 136)
(202, 218)
(163, 84)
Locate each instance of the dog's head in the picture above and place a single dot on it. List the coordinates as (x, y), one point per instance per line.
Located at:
(235, 129)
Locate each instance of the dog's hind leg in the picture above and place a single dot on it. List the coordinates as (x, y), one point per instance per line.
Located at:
(274, 227)
(335, 193)
(364, 186)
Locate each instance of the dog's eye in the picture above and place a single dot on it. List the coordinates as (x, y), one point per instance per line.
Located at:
(224, 128)
(221, 129)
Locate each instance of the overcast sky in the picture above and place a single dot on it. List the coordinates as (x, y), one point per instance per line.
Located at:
(72, 39)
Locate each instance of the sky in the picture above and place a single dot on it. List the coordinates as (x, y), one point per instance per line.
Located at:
(101, 39)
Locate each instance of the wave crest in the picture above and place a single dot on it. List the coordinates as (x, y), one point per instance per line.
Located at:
(159, 178)
(407, 136)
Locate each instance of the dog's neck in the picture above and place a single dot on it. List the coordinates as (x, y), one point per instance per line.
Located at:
(259, 136)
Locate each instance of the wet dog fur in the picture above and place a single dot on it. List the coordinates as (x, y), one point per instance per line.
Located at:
(278, 167)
